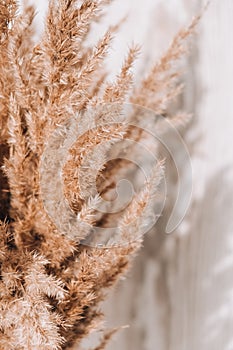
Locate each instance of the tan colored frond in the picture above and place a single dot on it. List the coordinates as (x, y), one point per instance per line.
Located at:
(160, 85)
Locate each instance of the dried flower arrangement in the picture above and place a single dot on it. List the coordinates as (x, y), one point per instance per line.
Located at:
(51, 282)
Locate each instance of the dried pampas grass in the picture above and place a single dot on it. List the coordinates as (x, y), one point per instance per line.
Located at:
(52, 283)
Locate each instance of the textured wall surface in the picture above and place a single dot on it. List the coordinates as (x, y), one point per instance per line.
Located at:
(179, 294)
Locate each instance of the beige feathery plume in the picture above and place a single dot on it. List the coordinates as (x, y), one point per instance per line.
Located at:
(52, 283)
(161, 84)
